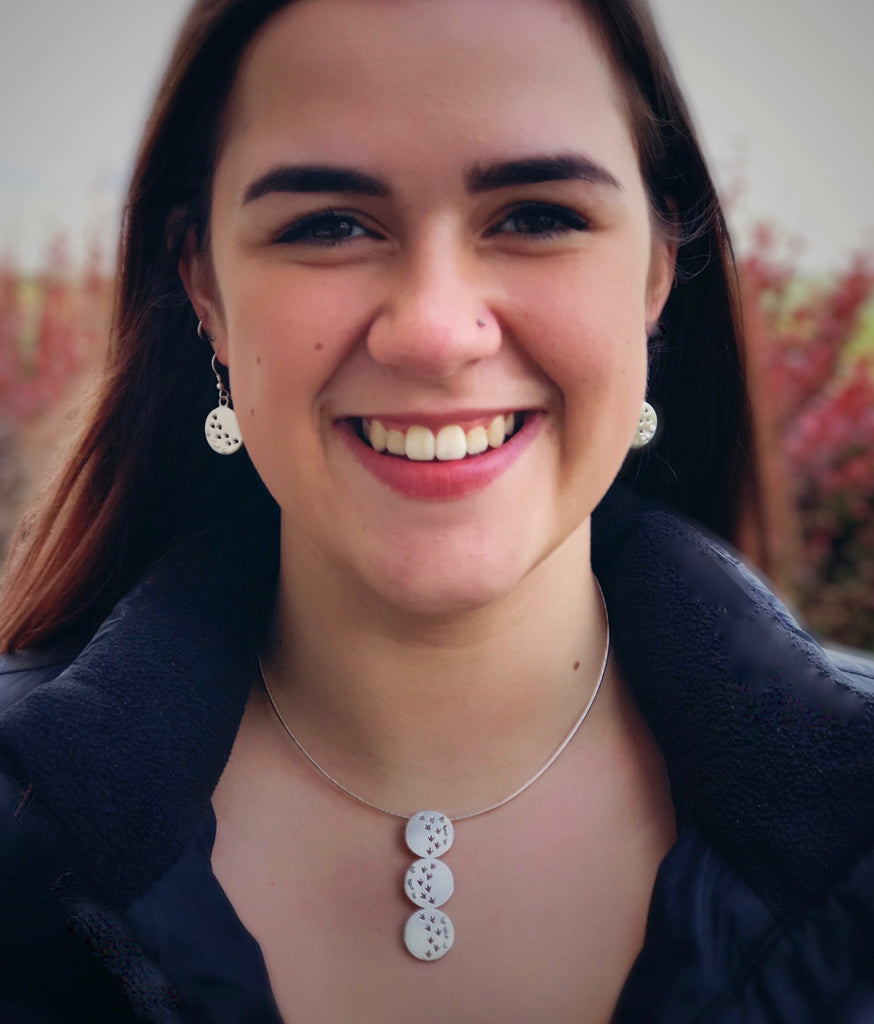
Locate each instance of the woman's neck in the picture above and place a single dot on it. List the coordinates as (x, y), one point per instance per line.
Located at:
(410, 711)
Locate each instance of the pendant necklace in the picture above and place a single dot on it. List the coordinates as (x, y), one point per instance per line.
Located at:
(428, 883)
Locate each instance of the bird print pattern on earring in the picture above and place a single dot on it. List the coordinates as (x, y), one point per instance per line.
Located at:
(221, 428)
(646, 426)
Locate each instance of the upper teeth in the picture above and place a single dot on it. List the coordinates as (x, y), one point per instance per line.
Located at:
(450, 443)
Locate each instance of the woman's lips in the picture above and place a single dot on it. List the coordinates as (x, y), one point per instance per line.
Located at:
(425, 463)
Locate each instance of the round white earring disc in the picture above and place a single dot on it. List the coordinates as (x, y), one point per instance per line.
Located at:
(429, 834)
(428, 935)
(648, 423)
(429, 883)
(222, 430)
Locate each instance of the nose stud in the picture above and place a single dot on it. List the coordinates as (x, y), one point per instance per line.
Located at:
(481, 322)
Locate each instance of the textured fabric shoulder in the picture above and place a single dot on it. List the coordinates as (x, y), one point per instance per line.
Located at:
(767, 741)
(715, 953)
(23, 671)
(49, 973)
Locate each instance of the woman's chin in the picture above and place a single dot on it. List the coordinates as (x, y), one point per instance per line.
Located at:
(446, 581)
(444, 591)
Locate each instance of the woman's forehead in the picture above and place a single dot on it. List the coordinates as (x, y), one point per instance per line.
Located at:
(335, 73)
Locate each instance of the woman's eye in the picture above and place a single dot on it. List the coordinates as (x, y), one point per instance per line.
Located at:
(540, 220)
(329, 227)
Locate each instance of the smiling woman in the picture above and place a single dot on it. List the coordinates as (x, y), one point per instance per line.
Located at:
(448, 265)
(346, 287)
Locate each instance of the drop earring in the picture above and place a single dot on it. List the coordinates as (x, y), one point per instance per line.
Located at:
(221, 427)
(646, 426)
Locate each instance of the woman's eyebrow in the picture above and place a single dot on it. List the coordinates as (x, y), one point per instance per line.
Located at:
(505, 174)
(536, 169)
(290, 178)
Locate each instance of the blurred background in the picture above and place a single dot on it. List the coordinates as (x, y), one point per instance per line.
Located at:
(781, 92)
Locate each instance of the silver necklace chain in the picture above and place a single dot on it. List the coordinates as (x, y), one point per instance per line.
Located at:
(492, 807)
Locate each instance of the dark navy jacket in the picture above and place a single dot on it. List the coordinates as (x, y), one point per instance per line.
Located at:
(763, 911)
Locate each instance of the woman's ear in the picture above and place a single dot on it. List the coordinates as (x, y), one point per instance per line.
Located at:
(198, 277)
(662, 267)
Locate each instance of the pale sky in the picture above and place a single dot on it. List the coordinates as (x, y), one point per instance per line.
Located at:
(780, 88)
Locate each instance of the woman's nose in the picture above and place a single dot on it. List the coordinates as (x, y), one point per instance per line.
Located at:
(436, 320)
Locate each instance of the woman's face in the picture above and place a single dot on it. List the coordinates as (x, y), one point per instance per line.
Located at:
(428, 216)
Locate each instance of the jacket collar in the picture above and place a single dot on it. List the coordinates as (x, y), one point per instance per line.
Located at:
(126, 745)
(767, 744)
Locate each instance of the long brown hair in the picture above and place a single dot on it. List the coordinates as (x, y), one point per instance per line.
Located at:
(142, 476)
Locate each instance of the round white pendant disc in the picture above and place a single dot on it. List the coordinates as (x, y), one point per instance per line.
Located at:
(429, 883)
(222, 430)
(428, 935)
(429, 834)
